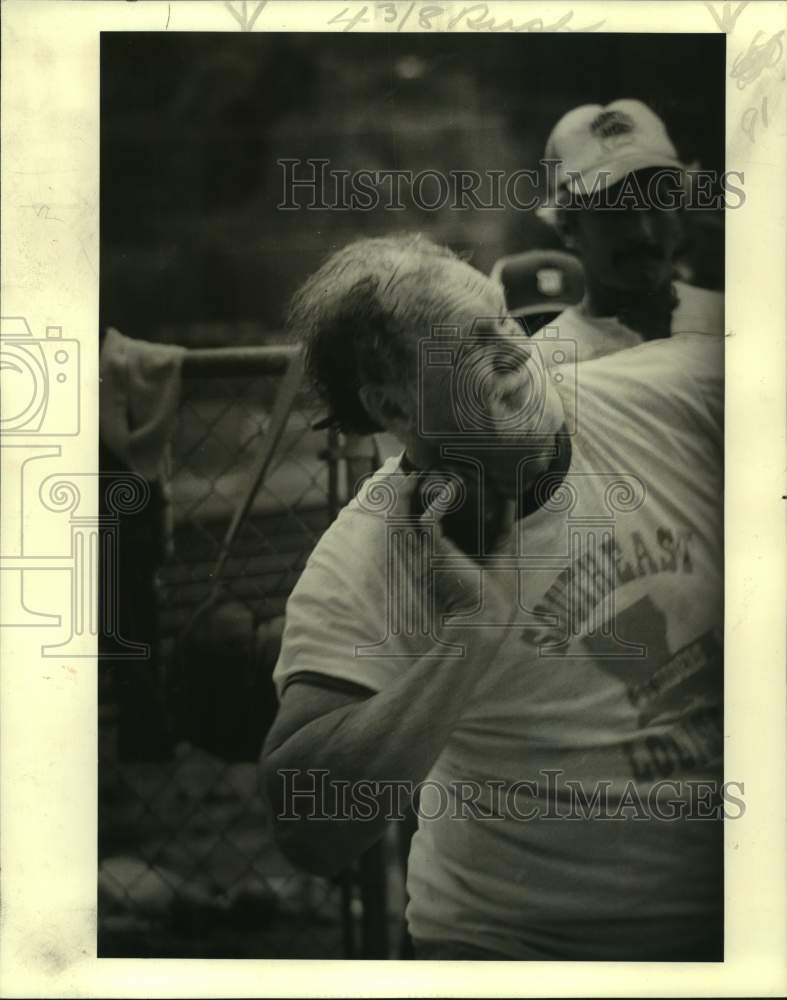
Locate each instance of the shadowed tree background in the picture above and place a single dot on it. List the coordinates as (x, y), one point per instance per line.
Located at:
(193, 124)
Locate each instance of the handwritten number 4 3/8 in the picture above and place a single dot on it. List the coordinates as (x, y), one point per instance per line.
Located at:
(475, 16)
(390, 15)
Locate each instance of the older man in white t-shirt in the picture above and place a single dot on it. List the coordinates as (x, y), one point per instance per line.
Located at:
(616, 201)
(552, 689)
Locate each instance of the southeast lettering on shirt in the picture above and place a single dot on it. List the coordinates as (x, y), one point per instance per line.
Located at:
(581, 588)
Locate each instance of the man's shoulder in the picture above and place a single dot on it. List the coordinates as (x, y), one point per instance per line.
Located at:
(585, 337)
(694, 293)
(675, 382)
(699, 310)
(672, 359)
(353, 540)
(376, 495)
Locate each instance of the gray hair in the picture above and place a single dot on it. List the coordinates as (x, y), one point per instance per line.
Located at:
(358, 317)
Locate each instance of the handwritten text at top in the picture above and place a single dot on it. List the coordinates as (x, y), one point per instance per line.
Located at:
(428, 16)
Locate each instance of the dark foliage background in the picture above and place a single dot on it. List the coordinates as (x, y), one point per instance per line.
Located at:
(192, 126)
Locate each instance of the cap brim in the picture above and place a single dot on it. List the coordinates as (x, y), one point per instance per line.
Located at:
(536, 308)
(613, 171)
(323, 423)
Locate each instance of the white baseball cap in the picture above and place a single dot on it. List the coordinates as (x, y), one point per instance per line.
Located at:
(602, 144)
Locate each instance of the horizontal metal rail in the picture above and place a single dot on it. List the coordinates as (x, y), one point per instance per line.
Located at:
(219, 362)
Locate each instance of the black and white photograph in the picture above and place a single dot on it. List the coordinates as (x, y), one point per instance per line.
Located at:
(413, 532)
(507, 282)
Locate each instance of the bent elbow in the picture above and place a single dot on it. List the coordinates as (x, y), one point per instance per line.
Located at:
(299, 838)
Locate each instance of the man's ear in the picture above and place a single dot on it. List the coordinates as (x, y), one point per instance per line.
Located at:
(387, 406)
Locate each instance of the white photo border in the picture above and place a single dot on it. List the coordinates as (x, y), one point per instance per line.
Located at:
(48, 795)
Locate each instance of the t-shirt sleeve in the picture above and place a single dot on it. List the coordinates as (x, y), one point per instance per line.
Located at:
(703, 358)
(337, 611)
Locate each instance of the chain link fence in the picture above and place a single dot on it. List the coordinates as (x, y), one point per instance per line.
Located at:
(187, 863)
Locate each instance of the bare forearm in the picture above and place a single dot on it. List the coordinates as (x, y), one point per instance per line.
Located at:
(392, 738)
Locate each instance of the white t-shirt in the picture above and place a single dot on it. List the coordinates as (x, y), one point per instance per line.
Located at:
(698, 310)
(629, 705)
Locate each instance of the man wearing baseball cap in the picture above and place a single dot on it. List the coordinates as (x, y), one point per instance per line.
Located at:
(616, 201)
